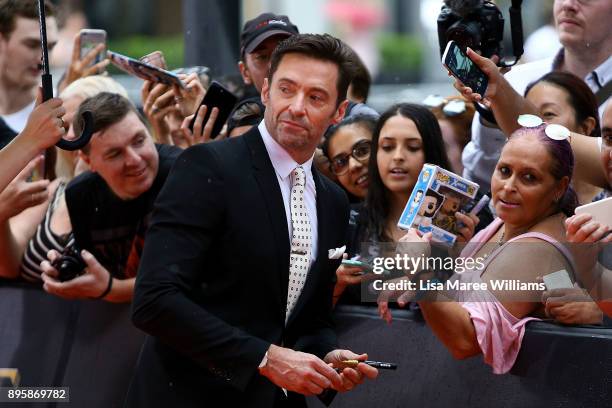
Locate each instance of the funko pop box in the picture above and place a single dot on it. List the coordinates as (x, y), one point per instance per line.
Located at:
(437, 195)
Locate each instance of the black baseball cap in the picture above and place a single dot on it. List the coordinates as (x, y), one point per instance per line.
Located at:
(262, 27)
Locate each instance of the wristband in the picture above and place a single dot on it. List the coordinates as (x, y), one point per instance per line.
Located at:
(108, 288)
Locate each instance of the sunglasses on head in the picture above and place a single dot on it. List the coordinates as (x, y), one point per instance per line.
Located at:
(553, 131)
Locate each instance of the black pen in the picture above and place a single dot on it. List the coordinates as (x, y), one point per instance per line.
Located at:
(375, 364)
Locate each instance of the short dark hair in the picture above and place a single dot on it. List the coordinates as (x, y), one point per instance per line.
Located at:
(322, 47)
(11, 9)
(580, 96)
(107, 109)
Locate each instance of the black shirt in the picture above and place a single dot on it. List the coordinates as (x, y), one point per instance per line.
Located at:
(106, 225)
(6, 133)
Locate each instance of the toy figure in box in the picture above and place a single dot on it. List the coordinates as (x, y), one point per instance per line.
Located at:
(429, 206)
(445, 218)
(436, 197)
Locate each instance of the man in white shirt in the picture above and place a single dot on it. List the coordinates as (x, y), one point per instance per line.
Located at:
(20, 60)
(235, 284)
(585, 31)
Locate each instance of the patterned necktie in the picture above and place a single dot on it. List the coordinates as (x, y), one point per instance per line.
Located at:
(301, 240)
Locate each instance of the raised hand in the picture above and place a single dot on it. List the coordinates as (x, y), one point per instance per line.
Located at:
(189, 98)
(160, 109)
(80, 68)
(45, 126)
(202, 132)
(21, 193)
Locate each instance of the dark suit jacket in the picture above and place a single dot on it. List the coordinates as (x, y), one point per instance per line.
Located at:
(212, 283)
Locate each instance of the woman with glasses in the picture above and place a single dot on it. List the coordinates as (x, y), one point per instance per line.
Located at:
(347, 146)
(406, 137)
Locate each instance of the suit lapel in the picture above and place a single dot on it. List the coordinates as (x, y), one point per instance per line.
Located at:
(265, 176)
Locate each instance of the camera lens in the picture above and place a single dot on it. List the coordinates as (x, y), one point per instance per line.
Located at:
(465, 34)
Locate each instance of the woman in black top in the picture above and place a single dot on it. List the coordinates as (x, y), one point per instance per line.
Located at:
(406, 137)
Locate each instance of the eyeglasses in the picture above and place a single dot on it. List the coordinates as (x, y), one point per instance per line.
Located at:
(360, 152)
(454, 107)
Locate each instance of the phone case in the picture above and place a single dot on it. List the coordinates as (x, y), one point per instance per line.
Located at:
(144, 71)
(558, 280)
(221, 98)
(89, 40)
(601, 211)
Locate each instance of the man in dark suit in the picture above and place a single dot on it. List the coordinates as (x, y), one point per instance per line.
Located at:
(235, 284)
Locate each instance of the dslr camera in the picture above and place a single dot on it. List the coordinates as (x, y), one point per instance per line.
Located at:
(479, 24)
(70, 264)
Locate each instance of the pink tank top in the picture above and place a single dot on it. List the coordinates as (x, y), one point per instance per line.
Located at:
(499, 333)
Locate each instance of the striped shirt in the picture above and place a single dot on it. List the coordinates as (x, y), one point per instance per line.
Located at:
(43, 241)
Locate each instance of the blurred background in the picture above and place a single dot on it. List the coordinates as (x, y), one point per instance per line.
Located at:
(397, 39)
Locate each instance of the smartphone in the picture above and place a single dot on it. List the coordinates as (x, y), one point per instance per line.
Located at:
(156, 58)
(601, 211)
(216, 96)
(143, 70)
(353, 262)
(558, 280)
(89, 40)
(464, 69)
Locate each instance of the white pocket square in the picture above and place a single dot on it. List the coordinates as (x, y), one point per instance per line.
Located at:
(336, 253)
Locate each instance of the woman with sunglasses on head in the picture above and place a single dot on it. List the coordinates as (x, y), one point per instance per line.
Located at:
(532, 198)
(506, 105)
(406, 137)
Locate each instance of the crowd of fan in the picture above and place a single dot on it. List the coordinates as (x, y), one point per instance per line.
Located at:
(103, 195)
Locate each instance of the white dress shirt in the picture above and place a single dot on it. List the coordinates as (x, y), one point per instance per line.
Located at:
(284, 165)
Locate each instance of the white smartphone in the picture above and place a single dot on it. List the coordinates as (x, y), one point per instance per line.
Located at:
(89, 40)
(464, 69)
(601, 211)
(558, 280)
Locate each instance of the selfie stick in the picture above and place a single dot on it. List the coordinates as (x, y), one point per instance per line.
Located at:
(47, 85)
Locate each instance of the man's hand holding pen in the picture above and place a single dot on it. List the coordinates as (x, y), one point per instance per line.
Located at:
(351, 374)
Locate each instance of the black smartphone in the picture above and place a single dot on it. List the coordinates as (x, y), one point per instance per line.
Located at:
(219, 97)
(464, 69)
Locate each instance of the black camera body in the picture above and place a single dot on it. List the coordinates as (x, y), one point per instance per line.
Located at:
(70, 264)
(479, 24)
(482, 29)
